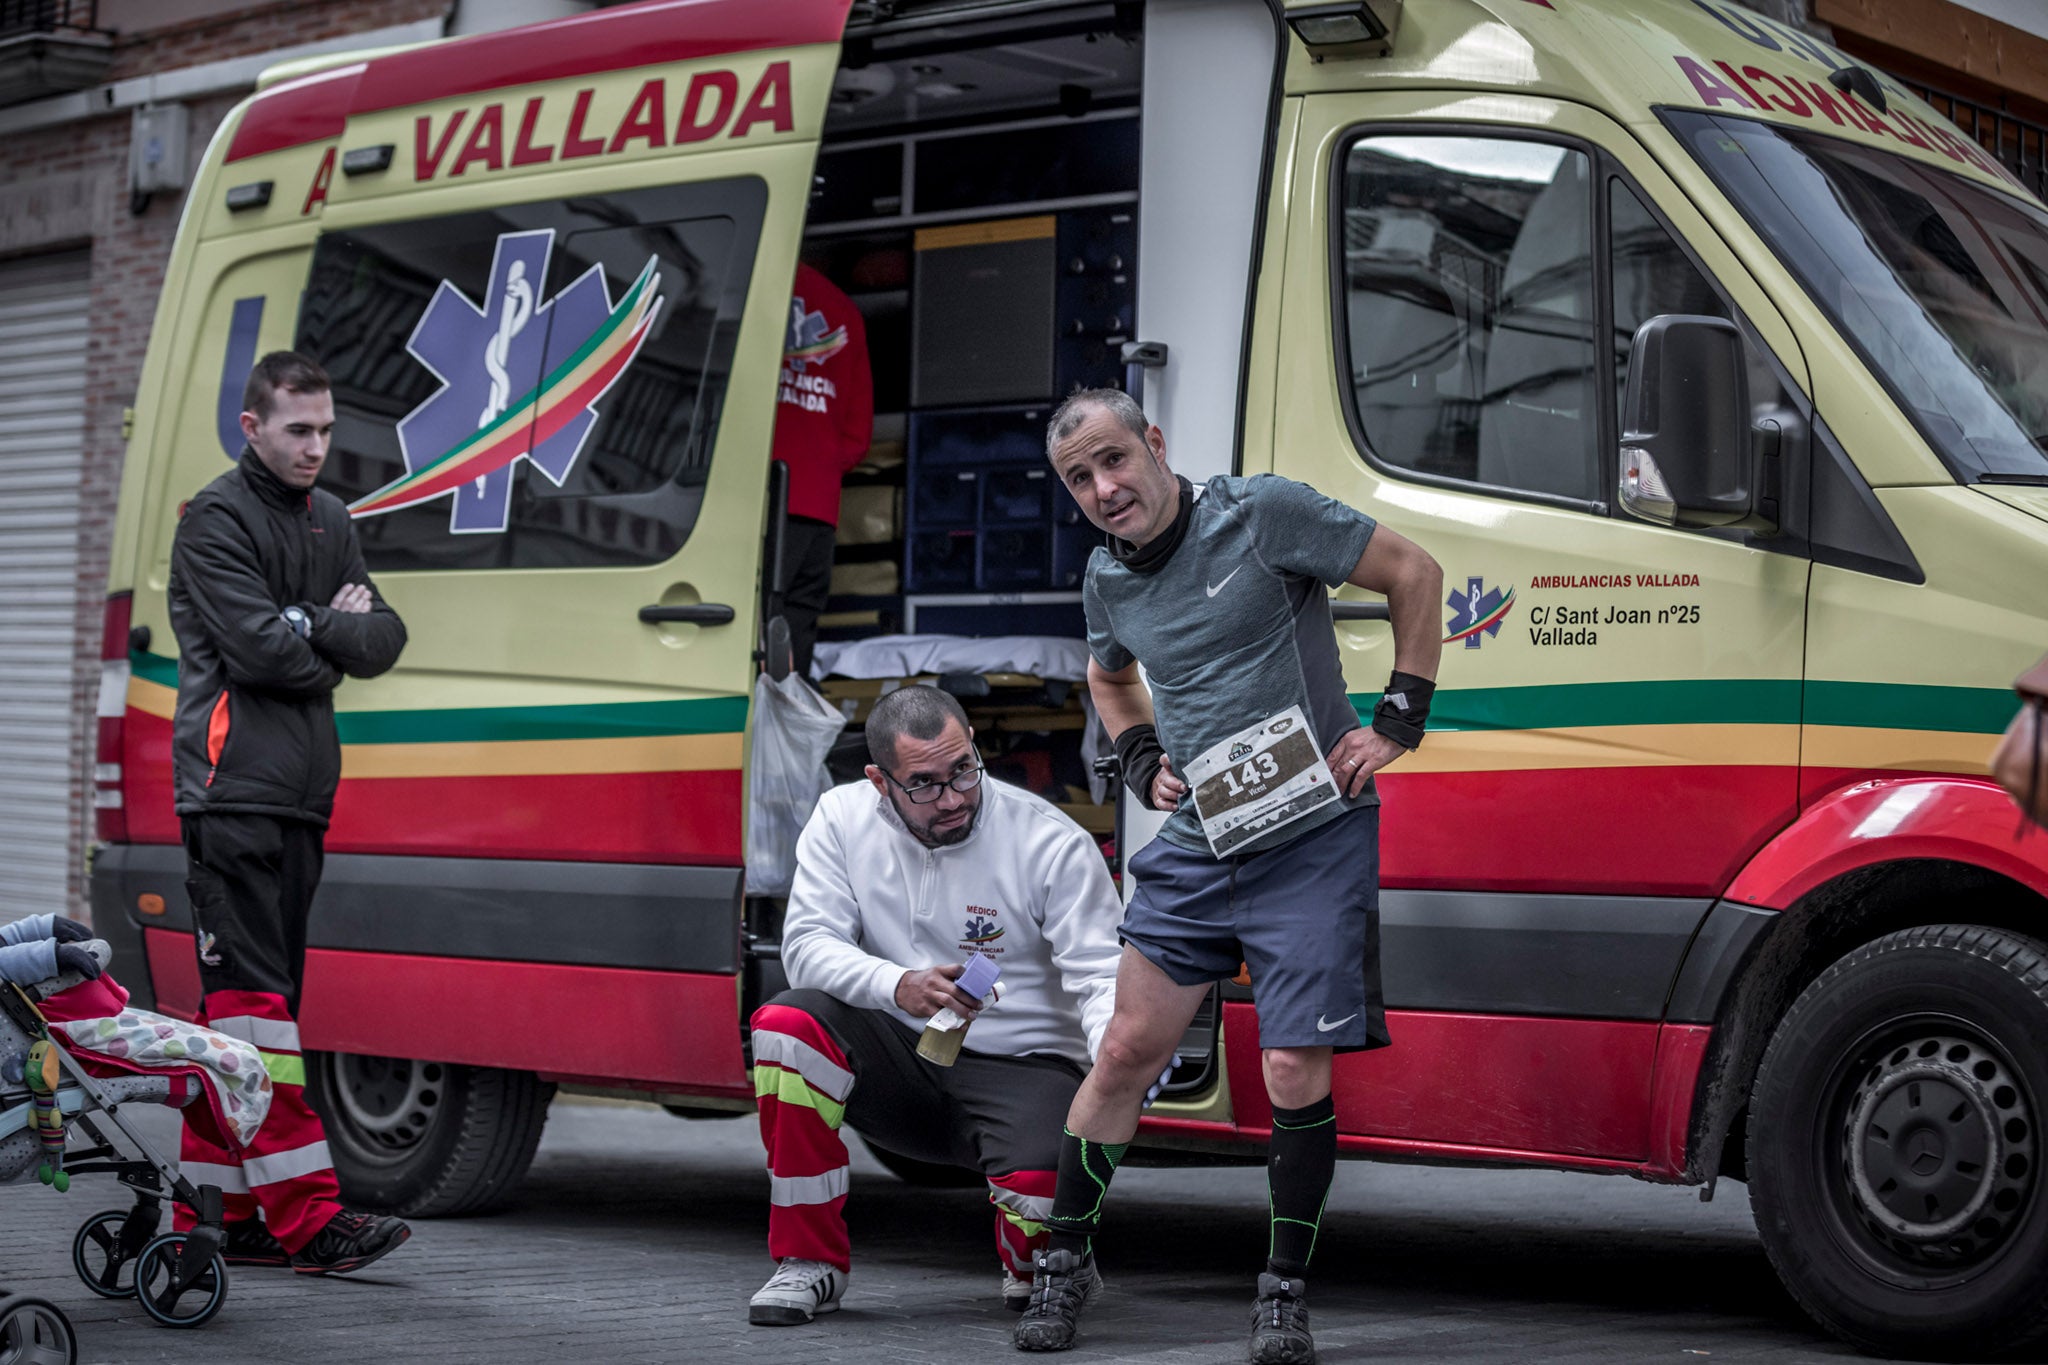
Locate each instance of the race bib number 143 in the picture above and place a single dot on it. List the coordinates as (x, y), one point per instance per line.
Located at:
(1260, 779)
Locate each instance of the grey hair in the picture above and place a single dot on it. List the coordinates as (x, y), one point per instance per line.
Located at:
(918, 711)
(1070, 414)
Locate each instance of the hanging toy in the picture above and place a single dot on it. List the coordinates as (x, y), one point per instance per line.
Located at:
(48, 1119)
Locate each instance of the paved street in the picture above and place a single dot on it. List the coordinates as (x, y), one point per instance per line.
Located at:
(640, 1237)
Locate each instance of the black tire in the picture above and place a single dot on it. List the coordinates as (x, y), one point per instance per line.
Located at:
(926, 1175)
(156, 1270)
(1894, 1156)
(427, 1139)
(35, 1332)
(97, 1255)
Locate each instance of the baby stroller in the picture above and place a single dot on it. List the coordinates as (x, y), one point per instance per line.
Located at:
(179, 1278)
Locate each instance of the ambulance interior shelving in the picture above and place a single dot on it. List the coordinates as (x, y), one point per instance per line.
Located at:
(976, 198)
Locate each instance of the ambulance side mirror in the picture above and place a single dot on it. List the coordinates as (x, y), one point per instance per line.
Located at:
(1685, 446)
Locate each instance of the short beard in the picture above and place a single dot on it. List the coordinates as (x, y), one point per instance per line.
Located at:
(949, 837)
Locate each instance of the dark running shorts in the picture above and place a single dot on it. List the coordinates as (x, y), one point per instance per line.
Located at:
(1305, 917)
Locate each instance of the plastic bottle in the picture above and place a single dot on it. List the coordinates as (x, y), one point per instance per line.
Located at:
(946, 1031)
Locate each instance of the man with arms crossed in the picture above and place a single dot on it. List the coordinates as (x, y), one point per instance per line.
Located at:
(898, 880)
(1271, 856)
(272, 606)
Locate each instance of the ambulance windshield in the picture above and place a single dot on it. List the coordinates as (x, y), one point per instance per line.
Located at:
(1940, 283)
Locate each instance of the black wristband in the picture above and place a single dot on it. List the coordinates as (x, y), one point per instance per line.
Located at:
(1139, 751)
(1403, 712)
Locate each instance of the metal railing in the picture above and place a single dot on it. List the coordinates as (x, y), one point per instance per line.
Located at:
(18, 17)
(2021, 146)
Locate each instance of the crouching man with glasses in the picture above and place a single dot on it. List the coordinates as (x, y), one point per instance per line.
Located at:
(899, 880)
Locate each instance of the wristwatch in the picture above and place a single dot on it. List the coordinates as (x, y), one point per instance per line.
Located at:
(301, 624)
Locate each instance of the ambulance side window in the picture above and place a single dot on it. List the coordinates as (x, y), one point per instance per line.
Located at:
(537, 385)
(1652, 276)
(1466, 270)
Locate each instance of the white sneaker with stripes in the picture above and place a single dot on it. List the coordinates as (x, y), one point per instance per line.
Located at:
(1016, 1292)
(797, 1292)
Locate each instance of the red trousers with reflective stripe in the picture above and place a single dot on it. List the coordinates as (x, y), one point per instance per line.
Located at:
(250, 880)
(817, 1059)
(285, 1170)
(807, 1159)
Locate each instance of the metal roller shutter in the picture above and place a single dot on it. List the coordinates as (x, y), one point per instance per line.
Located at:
(42, 434)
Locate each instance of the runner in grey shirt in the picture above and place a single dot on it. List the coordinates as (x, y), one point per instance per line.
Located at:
(1235, 627)
(1271, 858)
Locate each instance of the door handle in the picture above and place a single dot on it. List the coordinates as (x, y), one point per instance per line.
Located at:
(1359, 611)
(696, 613)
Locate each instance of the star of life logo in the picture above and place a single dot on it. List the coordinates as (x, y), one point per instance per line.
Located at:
(981, 930)
(520, 380)
(810, 343)
(1476, 613)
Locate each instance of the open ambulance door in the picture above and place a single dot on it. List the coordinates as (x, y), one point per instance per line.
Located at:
(549, 272)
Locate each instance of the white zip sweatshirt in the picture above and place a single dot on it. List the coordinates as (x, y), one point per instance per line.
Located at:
(1028, 887)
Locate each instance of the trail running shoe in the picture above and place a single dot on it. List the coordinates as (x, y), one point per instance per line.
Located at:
(797, 1292)
(349, 1242)
(250, 1243)
(1062, 1284)
(1016, 1291)
(1280, 1323)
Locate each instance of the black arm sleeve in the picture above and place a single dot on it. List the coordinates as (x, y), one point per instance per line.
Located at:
(1403, 712)
(361, 644)
(1139, 751)
(214, 560)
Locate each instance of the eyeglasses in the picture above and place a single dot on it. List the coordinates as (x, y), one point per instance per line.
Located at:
(924, 793)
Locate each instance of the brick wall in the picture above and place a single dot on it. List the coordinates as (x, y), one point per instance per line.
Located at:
(260, 28)
(66, 187)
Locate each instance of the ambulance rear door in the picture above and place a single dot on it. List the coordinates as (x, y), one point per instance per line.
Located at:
(551, 282)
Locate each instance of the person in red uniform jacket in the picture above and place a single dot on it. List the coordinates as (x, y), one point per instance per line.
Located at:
(823, 419)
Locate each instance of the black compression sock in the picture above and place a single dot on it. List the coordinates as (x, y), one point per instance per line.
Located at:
(1300, 1165)
(1085, 1169)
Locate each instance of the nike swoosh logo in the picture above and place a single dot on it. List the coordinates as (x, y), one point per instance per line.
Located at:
(1322, 1027)
(1225, 583)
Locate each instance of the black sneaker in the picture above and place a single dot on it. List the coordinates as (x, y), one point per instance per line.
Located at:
(250, 1243)
(349, 1242)
(1062, 1284)
(1280, 1323)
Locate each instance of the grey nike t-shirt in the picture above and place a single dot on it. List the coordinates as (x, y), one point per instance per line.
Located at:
(1235, 627)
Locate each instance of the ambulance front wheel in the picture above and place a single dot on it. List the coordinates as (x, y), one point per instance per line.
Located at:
(427, 1139)
(1895, 1149)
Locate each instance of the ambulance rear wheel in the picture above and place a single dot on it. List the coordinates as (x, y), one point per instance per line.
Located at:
(427, 1139)
(1895, 1148)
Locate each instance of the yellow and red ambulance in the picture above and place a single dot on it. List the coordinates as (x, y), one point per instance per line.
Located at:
(1712, 366)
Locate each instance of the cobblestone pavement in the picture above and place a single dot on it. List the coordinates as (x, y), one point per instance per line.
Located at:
(639, 1237)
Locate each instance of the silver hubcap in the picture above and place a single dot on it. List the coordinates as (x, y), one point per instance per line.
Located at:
(1939, 1144)
(389, 1100)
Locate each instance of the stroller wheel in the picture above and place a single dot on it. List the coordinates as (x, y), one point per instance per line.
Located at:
(156, 1285)
(35, 1332)
(101, 1261)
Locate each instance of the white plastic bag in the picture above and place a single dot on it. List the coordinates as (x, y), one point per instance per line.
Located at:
(793, 731)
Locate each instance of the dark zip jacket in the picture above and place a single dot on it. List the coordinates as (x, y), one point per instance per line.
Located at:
(254, 732)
